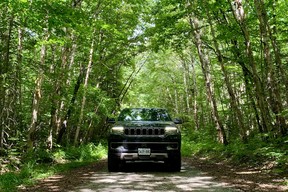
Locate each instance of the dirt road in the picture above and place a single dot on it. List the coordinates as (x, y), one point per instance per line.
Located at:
(148, 177)
(151, 177)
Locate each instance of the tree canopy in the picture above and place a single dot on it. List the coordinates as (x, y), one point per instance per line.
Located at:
(65, 66)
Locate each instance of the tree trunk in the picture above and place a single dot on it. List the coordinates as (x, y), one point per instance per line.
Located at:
(281, 70)
(246, 73)
(248, 84)
(233, 101)
(90, 129)
(65, 121)
(89, 68)
(186, 85)
(18, 81)
(37, 96)
(210, 93)
(195, 93)
(35, 110)
(272, 82)
(4, 70)
(239, 14)
(67, 84)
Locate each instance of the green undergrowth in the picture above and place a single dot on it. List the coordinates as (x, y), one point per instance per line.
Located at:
(269, 155)
(42, 164)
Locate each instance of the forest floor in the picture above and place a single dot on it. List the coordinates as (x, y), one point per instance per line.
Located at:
(197, 174)
(242, 176)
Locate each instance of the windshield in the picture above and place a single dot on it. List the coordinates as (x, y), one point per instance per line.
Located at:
(143, 114)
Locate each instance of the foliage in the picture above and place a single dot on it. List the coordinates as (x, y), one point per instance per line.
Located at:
(200, 143)
(87, 152)
(44, 164)
(68, 58)
(272, 157)
(65, 66)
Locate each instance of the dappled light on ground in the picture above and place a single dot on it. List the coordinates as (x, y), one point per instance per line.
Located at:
(246, 178)
(195, 175)
(151, 177)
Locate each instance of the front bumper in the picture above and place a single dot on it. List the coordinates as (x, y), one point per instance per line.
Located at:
(128, 151)
(136, 156)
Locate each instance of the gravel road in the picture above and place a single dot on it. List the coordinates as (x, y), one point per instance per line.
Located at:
(195, 175)
(144, 177)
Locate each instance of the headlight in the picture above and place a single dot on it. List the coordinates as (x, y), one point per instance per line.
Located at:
(171, 130)
(117, 130)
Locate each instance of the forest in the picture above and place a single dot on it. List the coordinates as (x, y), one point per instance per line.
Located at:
(67, 65)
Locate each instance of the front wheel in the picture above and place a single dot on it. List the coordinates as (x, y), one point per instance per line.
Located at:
(174, 163)
(113, 164)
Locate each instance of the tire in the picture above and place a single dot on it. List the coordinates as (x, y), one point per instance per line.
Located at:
(113, 164)
(177, 164)
(174, 163)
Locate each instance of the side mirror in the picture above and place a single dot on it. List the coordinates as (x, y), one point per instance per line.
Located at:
(111, 120)
(177, 121)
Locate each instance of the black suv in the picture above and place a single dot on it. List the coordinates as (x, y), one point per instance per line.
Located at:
(144, 134)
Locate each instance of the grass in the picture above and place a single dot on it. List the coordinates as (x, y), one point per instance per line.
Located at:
(271, 156)
(255, 152)
(42, 164)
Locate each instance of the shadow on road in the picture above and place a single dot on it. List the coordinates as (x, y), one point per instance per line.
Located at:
(144, 167)
(152, 177)
(132, 177)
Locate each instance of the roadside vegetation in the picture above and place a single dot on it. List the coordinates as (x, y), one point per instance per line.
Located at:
(65, 66)
(272, 157)
(269, 156)
(17, 172)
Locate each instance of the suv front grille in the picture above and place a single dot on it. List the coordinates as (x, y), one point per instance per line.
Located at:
(145, 131)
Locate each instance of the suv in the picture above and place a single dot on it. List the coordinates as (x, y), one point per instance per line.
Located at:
(144, 134)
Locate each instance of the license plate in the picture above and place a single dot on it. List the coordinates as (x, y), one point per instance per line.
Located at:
(144, 151)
